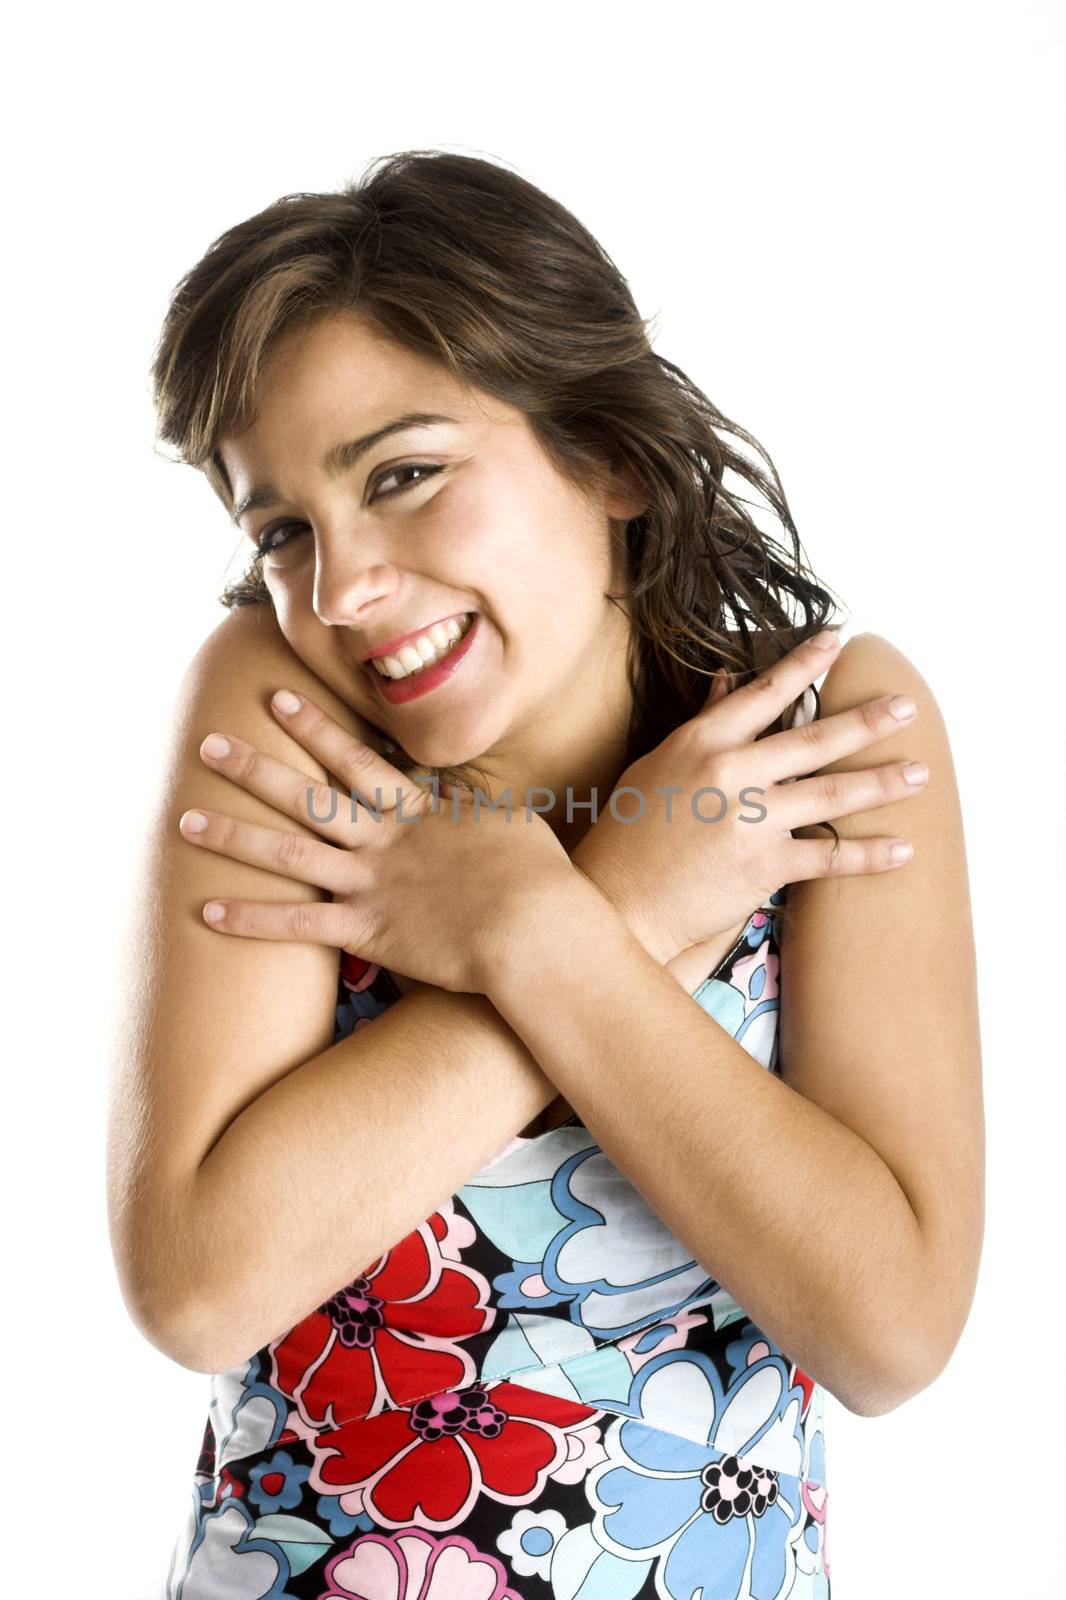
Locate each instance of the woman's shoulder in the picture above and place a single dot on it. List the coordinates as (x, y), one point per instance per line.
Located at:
(247, 642)
(244, 645)
(869, 665)
(246, 658)
(864, 657)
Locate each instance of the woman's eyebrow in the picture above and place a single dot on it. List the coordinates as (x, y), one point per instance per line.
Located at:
(339, 459)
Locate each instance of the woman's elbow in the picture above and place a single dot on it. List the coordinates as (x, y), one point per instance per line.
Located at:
(165, 1292)
(901, 1371)
(188, 1341)
(195, 1332)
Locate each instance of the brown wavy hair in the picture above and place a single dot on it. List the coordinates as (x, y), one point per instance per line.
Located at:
(462, 261)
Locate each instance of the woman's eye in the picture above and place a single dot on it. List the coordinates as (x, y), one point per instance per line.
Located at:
(269, 542)
(266, 544)
(396, 472)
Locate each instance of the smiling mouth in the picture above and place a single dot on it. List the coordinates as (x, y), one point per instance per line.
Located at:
(434, 644)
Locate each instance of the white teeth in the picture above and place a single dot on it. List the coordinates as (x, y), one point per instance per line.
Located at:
(423, 651)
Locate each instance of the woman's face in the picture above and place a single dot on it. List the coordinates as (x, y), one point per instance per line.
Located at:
(363, 549)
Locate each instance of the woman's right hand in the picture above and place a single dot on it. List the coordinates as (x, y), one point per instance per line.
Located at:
(687, 867)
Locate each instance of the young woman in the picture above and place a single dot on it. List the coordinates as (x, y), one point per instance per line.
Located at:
(556, 1107)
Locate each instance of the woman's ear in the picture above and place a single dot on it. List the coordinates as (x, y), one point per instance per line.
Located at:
(628, 496)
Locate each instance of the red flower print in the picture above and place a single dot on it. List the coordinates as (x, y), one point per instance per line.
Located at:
(356, 973)
(798, 1379)
(226, 1486)
(387, 1336)
(428, 1464)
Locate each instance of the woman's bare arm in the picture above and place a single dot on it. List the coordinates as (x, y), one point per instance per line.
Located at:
(335, 1162)
(224, 1160)
(842, 1203)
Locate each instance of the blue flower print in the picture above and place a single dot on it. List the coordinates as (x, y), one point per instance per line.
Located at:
(680, 1486)
(276, 1483)
(227, 1555)
(337, 1520)
(610, 1232)
(511, 1296)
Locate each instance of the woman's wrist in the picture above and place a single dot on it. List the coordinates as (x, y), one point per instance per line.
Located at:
(655, 939)
(690, 965)
(556, 910)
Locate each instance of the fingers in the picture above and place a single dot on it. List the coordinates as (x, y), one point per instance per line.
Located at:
(838, 794)
(292, 855)
(755, 705)
(307, 922)
(719, 686)
(845, 858)
(358, 765)
(316, 805)
(817, 744)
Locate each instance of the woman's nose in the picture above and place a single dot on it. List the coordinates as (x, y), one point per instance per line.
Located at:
(345, 584)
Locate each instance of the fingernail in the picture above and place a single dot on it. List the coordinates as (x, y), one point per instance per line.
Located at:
(916, 772)
(215, 747)
(286, 701)
(214, 912)
(901, 851)
(193, 822)
(901, 707)
(824, 640)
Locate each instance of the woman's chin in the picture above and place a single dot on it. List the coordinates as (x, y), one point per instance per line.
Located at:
(447, 747)
(434, 755)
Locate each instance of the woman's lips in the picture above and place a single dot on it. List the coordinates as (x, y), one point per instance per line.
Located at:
(398, 691)
(394, 645)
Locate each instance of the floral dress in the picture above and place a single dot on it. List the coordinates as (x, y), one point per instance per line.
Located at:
(537, 1392)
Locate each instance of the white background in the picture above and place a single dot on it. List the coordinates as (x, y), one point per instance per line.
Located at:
(849, 221)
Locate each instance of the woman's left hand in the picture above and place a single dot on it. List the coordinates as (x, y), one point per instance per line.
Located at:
(428, 889)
